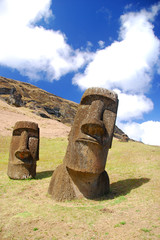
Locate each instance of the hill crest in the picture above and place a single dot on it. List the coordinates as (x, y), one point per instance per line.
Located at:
(40, 102)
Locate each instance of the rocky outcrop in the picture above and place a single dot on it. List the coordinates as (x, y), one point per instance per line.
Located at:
(5, 91)
(11, 96)
(42, 103)
(15, 98)
(53, 111)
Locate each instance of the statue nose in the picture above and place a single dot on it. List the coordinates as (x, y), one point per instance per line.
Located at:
(23, 151)
(93, 128)
(92, 124)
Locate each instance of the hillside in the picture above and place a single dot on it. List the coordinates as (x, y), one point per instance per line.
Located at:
(41, 103)
(24, 97)
(49, 128)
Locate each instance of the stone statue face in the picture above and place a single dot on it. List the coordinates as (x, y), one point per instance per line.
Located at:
(92, 132)
(24, 150)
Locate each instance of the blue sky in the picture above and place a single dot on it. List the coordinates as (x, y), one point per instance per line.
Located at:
(64, 47)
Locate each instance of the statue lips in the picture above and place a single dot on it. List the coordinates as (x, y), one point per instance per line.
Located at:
(93, 139)
(89, 139)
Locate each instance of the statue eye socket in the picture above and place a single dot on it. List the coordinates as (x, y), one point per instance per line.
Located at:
(17, 132)
(31, 133)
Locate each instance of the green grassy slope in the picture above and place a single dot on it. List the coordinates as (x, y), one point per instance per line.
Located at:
(130, 211)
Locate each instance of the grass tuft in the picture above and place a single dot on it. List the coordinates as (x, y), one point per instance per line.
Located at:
(145, 230)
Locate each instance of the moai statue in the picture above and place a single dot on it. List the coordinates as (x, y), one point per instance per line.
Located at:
(124, 138)
(24, 150)
(82, 173)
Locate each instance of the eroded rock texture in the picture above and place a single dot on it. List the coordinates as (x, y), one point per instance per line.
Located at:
(24, 150)
(82, 173)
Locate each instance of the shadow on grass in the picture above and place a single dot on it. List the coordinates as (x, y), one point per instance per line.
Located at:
(44, 174)
(123, 187)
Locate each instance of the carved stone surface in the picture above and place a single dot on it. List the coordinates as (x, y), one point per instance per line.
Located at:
(124, 138)
(82, 173)
(24, 150)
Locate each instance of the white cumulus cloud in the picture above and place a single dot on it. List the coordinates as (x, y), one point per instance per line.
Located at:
(132, 106)
(126, 64)
(147, 132)
(33, 49)
(101, 43)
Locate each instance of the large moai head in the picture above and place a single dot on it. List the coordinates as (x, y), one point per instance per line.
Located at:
(82, 173)
(92, 132)
(24, 150)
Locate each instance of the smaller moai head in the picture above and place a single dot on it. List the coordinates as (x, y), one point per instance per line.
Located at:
(92, 131)
(24, 150)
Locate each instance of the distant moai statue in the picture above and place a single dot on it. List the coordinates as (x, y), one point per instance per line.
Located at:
(24, 150)
(82, 173)
(124, 138)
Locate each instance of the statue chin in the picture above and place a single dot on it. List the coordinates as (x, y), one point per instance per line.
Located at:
(86, 157)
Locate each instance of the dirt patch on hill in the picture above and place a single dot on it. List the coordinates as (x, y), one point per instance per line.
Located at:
(48, 127)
